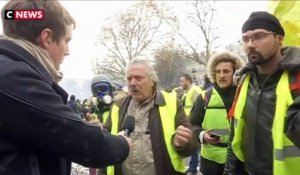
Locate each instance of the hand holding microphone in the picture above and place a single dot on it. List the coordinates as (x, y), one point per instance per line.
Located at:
(127, 128)
(128, 125)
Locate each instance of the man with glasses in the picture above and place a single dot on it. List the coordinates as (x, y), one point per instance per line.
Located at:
(268, 89)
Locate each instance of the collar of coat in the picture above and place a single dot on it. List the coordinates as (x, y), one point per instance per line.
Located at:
(290, 61)
(17, 53)
(158, 100)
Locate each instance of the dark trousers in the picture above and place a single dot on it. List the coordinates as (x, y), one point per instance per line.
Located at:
(194, 161)
(208, 167)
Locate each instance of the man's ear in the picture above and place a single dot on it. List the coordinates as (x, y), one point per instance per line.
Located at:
(281, 38)
(45, 38)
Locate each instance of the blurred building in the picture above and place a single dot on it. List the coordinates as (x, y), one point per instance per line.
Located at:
(197, 72)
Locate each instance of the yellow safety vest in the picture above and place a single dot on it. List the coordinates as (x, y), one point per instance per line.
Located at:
(286, 156)
(105, 116)
(167, 115)
(215, 118)
(94, 117)
(188, 103)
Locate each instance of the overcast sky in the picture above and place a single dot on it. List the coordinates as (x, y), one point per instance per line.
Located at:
(90, 15)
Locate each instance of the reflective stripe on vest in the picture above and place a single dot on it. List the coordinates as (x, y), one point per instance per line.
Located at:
(188, 99)
(284, 149)
(285, 154)
(216, 119)
(167, 115)
(287, 151)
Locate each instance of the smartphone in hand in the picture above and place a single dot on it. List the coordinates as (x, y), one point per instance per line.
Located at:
(214, 135)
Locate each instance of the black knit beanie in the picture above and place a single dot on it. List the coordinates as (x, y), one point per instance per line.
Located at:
(263, 20)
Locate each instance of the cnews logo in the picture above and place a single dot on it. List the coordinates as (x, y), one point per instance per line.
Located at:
(24, 14)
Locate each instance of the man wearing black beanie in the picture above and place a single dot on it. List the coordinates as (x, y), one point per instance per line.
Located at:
(263, 20)
(265, 117)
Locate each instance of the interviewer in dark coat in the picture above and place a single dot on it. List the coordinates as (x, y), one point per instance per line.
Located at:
(39, 133)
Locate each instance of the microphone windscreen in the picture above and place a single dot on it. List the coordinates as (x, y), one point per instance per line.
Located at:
(128, 123)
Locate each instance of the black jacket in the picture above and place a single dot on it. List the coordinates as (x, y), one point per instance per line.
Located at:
(197, 113)
(39, 133)
(259, 110)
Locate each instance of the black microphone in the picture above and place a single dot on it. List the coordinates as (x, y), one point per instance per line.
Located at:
(128, 125)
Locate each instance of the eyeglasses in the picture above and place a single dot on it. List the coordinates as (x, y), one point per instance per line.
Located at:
(256, 37)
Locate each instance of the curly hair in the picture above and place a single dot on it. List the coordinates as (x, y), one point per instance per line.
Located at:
(224, 56)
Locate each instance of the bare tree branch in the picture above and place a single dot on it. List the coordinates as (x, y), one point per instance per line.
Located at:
(203, 18)
(131, 33)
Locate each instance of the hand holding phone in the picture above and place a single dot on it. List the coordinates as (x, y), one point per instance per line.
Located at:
(214, 135)
(211, 137)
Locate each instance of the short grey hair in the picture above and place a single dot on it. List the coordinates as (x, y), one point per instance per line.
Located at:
(151, 71)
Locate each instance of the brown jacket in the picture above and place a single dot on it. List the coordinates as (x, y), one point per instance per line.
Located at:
(162, 160)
